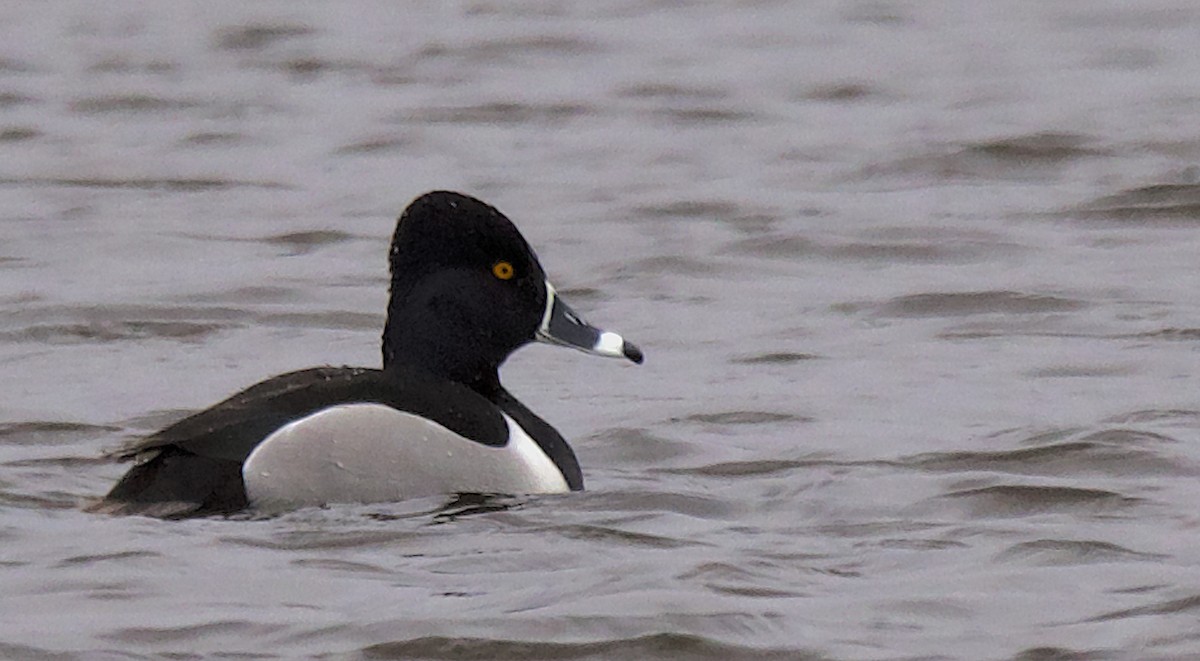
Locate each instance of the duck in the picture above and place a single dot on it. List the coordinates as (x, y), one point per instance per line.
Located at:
(466, 292)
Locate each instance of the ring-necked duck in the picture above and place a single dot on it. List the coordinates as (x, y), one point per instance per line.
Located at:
(466, 291)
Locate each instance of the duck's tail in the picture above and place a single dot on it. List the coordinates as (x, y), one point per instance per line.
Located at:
(171, 483)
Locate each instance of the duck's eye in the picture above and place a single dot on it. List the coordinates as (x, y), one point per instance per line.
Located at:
(503, 270)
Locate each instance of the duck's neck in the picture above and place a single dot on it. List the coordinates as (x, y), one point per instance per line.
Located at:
(446, 350)
(478, 375)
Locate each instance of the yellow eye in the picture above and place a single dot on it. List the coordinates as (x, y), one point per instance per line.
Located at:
(503, 270)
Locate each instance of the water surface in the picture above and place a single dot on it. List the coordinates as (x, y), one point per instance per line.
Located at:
(916, 283)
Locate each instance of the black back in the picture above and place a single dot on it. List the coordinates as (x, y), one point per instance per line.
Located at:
(232, 428)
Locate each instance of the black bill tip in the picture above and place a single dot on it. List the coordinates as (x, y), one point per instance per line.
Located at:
(632, 352)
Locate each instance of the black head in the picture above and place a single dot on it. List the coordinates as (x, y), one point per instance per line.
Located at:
(466, 288)
(467, 291)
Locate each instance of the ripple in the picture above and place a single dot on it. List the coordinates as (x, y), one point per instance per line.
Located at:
(27, 653)
(302, 540)
(1125, 437)
(66, 463)
(704, 115)
(336, 565)
(674, 646)
(844, 92)
(376, 145)
(1022, 500)
(961, 304)
(617, 537)
(245, 295)
(657, 503)
(119, 556)
(49, 432)
(258, 37)
(1180, 334)
(123, 65)
(497, 113)
(634, 445)
(1147, 204)
(9, 99)
(742, 418)
(1021, 157)
(753, 578)
(1187, 417)
(10, 65)
(491, 50)
(777, 247)
(875, 13)
(775, 358)
(335, 320)
(903, 252)
(1173, 606)
(104, 331)
(669, 264)
(589, 294)
(293, 243)
(671, 91)
(299, 243)
(43, 500)
(746, 468)
(19, 134)
(214, 139)
(167, 185)
(1035, 148)
(942, 248)
(125, 323)
(922, 544)
(708, 209)
(184, 634)
(129, 103)
(1078, 371)
(311, 67)
(1055, 552)
(1058, 654)
(1098, 453)
(464, 505)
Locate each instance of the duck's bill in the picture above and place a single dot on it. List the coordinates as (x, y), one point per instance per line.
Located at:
(562, 326)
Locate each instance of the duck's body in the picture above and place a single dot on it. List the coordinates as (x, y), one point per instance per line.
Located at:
(466, 291)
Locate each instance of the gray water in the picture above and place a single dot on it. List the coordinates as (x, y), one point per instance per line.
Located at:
(917, 284)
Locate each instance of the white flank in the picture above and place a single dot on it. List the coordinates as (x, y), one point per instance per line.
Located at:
(371, 453)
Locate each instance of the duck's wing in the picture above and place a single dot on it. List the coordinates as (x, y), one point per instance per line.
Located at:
(231, 429)
(194, 467)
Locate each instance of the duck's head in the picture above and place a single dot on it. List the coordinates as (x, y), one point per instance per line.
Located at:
(467, 291)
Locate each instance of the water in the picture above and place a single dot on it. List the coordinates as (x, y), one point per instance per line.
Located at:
(916, 283)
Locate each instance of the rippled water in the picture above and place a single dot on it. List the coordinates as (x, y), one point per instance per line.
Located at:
(916, 283)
